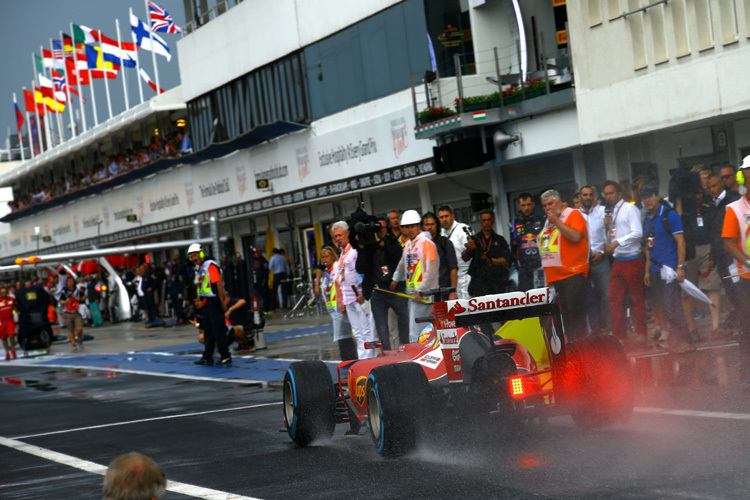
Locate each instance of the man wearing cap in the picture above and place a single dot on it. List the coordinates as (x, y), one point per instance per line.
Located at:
(624, 231)
(419, 267)
(665, 246)
(209, 288)
(736, 235)
(564, 247)
(349, 297)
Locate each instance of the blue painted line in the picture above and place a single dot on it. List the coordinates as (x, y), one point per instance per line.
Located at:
(276, 336)
(264, 370)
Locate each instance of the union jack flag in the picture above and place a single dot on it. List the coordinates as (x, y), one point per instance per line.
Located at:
(161, 20)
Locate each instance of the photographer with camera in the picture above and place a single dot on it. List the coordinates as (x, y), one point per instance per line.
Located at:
(490, 259)
(377, 260)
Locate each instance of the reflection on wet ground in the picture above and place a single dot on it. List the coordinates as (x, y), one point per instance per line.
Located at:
(709, 365)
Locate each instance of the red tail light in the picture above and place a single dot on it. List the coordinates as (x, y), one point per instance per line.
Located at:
(516, 387)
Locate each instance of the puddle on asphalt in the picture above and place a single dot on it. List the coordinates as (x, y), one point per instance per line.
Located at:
(31, 384)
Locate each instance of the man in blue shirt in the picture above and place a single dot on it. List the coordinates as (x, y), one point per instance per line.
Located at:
(280, 267)
(665, 246)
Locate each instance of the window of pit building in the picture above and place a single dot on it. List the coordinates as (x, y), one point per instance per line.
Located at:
(728, 18)
(595, 13)
(614, 8)
(704, 24)
(680, 27)
(449, 29)
(658, 34)
(637, 36)
(368, 60)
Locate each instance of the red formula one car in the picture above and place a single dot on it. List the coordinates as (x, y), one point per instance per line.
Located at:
(527, 370)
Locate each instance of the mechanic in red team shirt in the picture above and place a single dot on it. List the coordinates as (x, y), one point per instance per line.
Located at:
(7, 324)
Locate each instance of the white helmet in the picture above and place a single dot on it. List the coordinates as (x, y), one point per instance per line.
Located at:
(195, 247)
(745, 163)
(411, 217)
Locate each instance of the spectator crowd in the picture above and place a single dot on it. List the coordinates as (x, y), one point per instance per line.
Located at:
(170, 146)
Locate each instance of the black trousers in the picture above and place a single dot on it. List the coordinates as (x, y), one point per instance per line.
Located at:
(214, 330)
(179, 311)
(572, 292)
(277, 282)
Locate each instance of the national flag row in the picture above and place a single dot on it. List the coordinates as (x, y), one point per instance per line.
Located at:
(88, 54)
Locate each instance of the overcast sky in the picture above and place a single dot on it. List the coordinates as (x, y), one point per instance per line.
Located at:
(25, 25)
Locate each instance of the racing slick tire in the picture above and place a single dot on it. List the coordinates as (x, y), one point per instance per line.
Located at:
(397, 403)
(309, 402)
(598, 382)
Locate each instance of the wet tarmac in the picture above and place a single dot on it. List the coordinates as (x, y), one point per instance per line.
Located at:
(216, 431)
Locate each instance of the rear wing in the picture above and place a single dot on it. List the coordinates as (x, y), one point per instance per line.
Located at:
(449, 316)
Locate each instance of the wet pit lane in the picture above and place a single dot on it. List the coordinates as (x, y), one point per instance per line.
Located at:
(687, 438)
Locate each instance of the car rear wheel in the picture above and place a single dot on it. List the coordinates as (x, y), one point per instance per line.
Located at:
(598, 382)
(397, 404)
(309, 402)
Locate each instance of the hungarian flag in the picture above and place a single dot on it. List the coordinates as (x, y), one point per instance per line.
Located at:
(151, 84)
(19, 118)
(161, 20)
(31, 105)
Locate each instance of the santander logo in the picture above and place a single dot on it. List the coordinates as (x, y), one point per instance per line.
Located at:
(502, 301)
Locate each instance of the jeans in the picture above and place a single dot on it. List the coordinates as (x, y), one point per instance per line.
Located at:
(380, 303)
(627, 277)
(597, 296)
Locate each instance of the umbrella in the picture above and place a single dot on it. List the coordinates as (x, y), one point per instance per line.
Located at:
(87, 267)
(669, 275)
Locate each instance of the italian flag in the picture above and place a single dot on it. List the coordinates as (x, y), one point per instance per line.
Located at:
(480, 115)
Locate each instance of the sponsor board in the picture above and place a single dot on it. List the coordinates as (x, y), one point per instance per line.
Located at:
(499, 302)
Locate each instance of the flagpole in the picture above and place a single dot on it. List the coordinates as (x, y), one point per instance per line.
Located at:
(106, 77)
(44, 105)
(39, 123)
(67, 86)
(153, 52)
(137, 64)
(122, 66)
(60, 134)
(20, 135)
(28, 124)
(78, 77)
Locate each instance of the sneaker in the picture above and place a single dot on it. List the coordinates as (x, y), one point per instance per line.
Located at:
(225, 362)
(205, 362)
(7, 356)
(13, 354)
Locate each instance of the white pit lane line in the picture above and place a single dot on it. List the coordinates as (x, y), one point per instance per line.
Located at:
(94, 468)
(693, 413)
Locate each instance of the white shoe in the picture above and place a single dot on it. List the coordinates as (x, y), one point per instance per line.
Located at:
(664, 336)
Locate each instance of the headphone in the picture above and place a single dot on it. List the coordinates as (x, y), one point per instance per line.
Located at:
(740, 177)
(202, 254)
